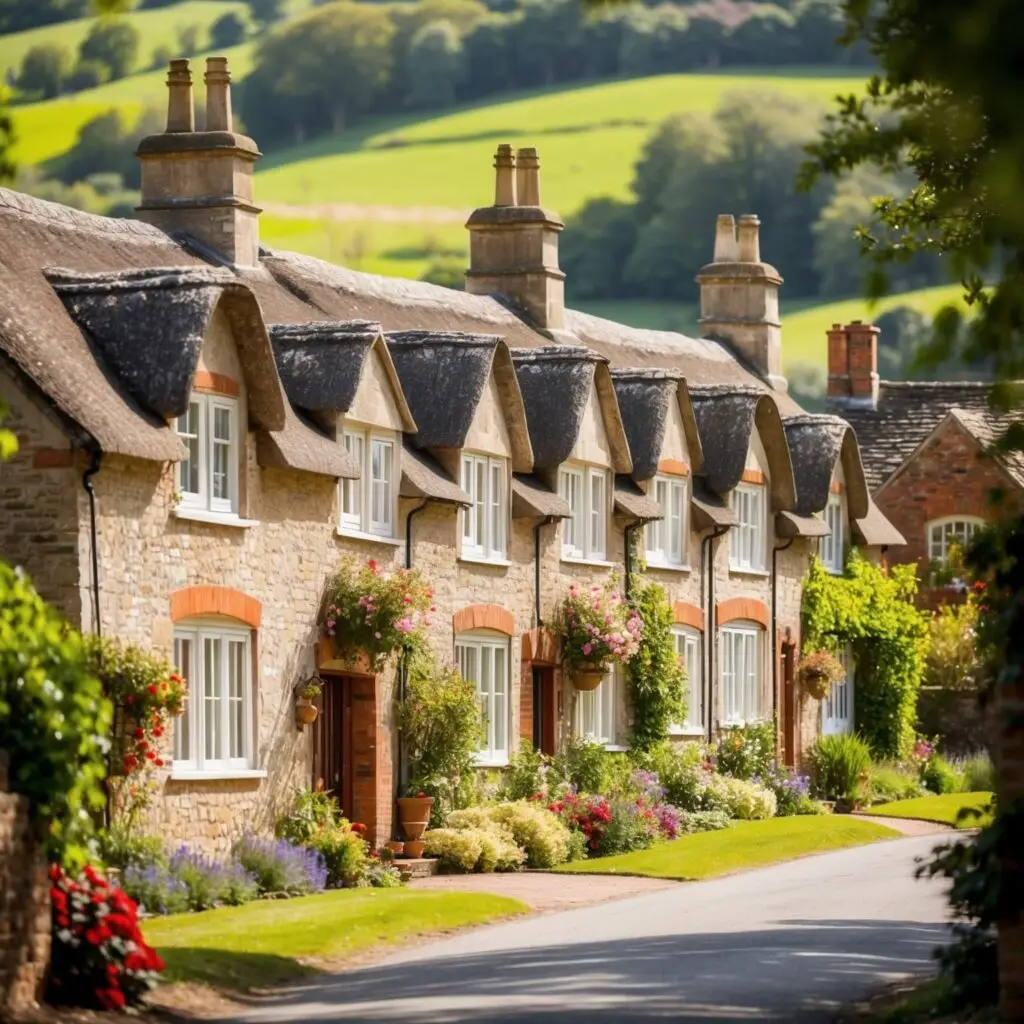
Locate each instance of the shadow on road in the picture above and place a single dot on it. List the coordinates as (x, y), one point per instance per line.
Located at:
(796, 971)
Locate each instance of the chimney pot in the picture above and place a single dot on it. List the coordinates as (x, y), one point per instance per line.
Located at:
(181, 116)
(219, 117)
(527, 177)
(749, 242)
(504, 176)
(725, 239)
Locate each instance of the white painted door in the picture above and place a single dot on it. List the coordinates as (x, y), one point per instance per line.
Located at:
(837, 707)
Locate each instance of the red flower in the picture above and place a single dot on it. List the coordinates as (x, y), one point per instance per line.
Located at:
(150, 756)
(55, 873)
(157, 731)
(111, 998)
(129, 698)
(140, 734)
(159, 762)
(151, 690)
(63, 920)
(358, 826)
(98, 934)
(372, 564)
(93, 877)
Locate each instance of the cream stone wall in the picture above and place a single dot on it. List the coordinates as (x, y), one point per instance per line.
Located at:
(374, 403)
(488, 433)
(592, 443)
(674, 445)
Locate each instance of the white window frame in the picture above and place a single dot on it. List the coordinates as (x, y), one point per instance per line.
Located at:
(475, 656)
(484, 529)
(831, 549)
(690, 650)
(585, 533)
(356, 505)
(191, 738)
(666, 539)
(207, 407)
(741, 661)
(748, 540)
(941, 533)
(837, 707)
(594, 713)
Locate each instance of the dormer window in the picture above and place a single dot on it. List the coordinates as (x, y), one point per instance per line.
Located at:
(831, 548)
(208, 476)
(666, 538)
(368, 504)
(584, 533)
(749, 537)
(483, 523)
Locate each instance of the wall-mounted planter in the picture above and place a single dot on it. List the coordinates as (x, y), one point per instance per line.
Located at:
(305, 713)
(587, 678)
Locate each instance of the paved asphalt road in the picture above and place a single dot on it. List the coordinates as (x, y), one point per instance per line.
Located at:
(792, 942)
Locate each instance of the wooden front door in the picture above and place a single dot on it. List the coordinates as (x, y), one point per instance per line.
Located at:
(332, 741)
(544, 710)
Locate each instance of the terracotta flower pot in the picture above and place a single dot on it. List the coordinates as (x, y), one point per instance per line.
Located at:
(414, 814)
(305, 713)
(588, 677)
(414, 848)
(817, 686)
(395, 846)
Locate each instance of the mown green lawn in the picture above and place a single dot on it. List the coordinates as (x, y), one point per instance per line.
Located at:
(747, 844)
(270, 942)
(942, 809)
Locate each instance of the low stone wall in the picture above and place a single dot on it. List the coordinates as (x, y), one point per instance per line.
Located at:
(24, 904)
(956, 718)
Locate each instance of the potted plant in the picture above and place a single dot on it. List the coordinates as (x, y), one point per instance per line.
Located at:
(371, 614)
(818, 671)
(305, 693)
(596, 628)
(414, 815)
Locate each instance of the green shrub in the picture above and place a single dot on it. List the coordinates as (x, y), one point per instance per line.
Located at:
(381, 876)
(54, 719)
(703, 821)
(461, 851)
(979, 774)
(313, 811)
(839, 767)
(939, 776)
(345, 855)
(536, 830)
(739, 798)
(121, 846)
(526, 774)
(744, 753)
(888, 782)
(679, 770)
(577, 845)
(583, 763)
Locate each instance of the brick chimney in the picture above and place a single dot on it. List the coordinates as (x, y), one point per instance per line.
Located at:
(513, 245)
(739, 297)
(202, 182)
(853, 364)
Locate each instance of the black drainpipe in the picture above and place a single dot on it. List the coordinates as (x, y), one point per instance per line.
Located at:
(710, 626)
(774, 640)
(95, 459)
(408, 530)
(546, 521)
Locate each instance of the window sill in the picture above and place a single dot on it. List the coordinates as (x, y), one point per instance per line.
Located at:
(666, 567)
(219, 775)
(615, 748)
(596, 562)
(372, 538)
(690, 730)
(760, 573)
(202, 515)
(497, 563)
(481, 762)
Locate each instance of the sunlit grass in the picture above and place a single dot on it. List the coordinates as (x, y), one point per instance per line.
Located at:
(945, 810)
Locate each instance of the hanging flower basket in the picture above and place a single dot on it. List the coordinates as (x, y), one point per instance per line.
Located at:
(305, 712)
(588, 677)
(818, 672)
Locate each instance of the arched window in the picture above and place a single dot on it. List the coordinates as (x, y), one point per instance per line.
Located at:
(944, 534)
(214, 735)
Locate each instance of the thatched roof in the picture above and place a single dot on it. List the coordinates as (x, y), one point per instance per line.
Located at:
(555, 382)
(726, 419)
(816, 444)
(792, 524)
(445, 376)
(875, 530)
(645, 397)
(533, 499)
(424, 477)
(710, 510)
(632, 503)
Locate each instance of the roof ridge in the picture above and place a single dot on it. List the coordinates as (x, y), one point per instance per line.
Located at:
(57, 213)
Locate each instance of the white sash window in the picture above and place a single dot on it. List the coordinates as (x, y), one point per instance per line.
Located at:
(483, 523)
(585, 532)
(208, 475)
(485, 662)
(666, 538)
(742, 671)
(368, 505)
(748, 539)
(688, 649)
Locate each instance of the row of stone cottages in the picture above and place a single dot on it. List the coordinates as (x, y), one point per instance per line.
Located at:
(207, 426)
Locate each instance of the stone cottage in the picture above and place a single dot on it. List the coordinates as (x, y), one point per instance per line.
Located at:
(207, 427)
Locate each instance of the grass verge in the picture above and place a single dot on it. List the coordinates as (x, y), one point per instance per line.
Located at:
(945, 810)
(272, 942)
(747, 844)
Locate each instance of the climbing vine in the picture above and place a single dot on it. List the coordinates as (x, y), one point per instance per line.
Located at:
(656, 676)
(872, 611)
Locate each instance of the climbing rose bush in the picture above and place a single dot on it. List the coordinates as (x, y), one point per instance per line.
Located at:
(597, 627)
(100, 960)
(377, 614)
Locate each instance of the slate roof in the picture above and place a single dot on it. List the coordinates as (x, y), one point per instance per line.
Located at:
(906, 413)
(726, 418)
(445, 375)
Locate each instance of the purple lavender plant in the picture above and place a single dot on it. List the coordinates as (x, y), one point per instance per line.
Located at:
(281, 866)
(648, 785)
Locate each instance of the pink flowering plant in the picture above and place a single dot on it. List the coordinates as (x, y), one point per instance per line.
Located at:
(597, 627)
(371, 612)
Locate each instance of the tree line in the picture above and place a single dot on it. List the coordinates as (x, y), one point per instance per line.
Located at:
(319, 73)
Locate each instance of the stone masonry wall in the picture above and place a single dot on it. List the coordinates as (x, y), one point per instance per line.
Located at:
(24, 904)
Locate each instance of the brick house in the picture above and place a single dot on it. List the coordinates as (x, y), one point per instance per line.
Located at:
(927, 449)
(206, 427)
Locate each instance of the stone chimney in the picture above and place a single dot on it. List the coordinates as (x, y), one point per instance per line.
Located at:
(202, 182)
(853, 364)
(739, 297)
(513, 245)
